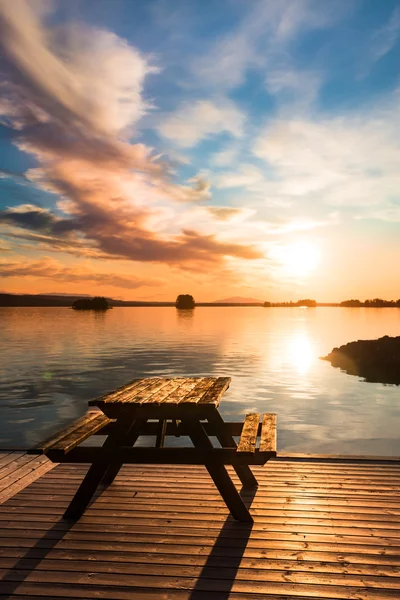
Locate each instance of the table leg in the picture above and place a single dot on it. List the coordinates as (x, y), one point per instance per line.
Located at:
(98, 470)
(130, 440)
(226, 440)
(162, 428)
(219, 475)
(86, 491)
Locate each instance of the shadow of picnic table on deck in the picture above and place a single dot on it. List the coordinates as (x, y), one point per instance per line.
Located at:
(216, 578)
(221, 567)
(32, 558)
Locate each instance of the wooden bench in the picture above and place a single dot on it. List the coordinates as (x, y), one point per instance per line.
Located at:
(70, 437)
(60, 446)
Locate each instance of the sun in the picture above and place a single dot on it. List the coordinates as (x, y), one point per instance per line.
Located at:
(299, 258)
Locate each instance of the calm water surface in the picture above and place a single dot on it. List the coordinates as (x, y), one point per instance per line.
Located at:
(53, 360)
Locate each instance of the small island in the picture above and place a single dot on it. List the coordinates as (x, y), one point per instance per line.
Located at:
(377, 361)
(97, 303)
(185, 301)
(305, 302)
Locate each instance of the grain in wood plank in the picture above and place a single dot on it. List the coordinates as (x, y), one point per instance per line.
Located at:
(188, 546)
(166, 390)
(214, 394)
(57, 437)
(183, 390)
(195, 395)
(309, 576)
(248, 439)
(139, 524)
(25, 480)
(288, 587)
(78, 435)
(41, 591)
(277, 559)
(318, 563)
(208, 532)
(149, 394)
(7, 457)
(146, 386)
(191, 500)
(14, 465)
(115, 394)
(16, 475)
(268, 433)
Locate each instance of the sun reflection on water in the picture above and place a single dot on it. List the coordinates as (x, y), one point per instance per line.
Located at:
(300, 353)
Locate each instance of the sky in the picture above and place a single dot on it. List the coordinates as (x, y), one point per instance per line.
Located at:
(217, 148)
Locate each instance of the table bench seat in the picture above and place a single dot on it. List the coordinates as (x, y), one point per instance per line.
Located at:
(74, 434)
(64, 446)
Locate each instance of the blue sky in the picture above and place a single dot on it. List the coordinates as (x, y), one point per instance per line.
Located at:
(227, 148)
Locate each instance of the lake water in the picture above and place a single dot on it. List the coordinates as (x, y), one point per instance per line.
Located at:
(53, 360)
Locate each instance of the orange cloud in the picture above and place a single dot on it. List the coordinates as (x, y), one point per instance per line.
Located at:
(73, 101)
(51, 269)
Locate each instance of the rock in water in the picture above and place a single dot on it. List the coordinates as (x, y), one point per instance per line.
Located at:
(377, 361)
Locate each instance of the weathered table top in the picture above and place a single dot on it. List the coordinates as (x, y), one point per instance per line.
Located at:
(166, 392)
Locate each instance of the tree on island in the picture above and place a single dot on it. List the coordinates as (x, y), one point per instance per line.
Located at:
(185, 301)
(351, 303)
(305, 302)
(97, 303)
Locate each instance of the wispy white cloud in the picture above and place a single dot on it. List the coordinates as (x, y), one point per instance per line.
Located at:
(195, 121)
(296, 89)
(246, 175)
(225, 157)
(260, 38)
(343, 161)
(386, 38)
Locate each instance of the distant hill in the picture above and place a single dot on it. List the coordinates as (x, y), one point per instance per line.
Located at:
(238, 300)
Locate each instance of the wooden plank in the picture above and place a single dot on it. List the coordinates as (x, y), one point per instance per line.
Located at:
(268, 433)
(25, 480)
(145, 388)
(269, 506)
(41, 591)
(184, 389)
(78, 435)
(197, 393)
(215, 393)
(142, 521)
(125, 393)
(212, 572)
(248, 439)
(115, 394)
(7, 457)
(159, 456)
(20, 472)
(337, 458)
(315, 586)
(13, 466)
(187, 545)
(345, 494)
(60, 435)
(211, 505)
(322, 562)
(163, 394)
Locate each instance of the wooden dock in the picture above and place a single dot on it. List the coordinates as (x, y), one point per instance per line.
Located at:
(323, 529)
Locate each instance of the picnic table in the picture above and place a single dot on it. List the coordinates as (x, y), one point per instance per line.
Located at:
(162, 406)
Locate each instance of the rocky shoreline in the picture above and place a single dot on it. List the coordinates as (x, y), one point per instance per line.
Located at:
(377, 361)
